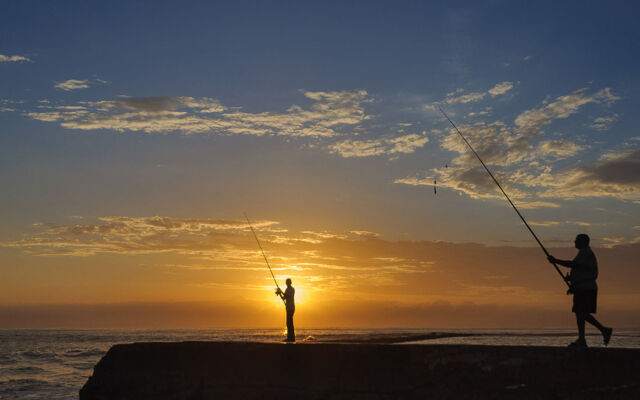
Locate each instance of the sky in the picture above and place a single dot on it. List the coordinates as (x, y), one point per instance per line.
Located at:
(135, 135)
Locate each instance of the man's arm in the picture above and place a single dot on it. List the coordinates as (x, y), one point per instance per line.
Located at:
(564, 263)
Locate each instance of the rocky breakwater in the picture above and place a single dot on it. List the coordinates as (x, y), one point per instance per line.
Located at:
(212, 370)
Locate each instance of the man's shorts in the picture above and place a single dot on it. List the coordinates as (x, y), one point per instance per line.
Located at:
(585, 301)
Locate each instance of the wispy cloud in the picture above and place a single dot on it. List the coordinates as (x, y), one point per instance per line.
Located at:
(544, 223)
(613, 241)
(458, 96)
(562, 107)
(4, 58)
(77, 84)
(72, 84)
(190, 115)
(579, 223)
(603, 123)
(558, 148)
(465, 98)
(392, 145)
(501, 88)
(366, 234)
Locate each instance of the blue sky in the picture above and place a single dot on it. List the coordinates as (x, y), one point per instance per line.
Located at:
(257, 57)
(319, 118)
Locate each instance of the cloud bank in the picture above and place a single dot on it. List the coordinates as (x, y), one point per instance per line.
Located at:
(412, 277)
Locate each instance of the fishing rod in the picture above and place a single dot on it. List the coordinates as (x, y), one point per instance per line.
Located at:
(263, 255)
(564, 278)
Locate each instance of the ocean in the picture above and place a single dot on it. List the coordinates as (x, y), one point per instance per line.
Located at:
(53, 364)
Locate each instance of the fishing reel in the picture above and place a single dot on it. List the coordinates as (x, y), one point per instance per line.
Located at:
(568, 280)
(278, 291)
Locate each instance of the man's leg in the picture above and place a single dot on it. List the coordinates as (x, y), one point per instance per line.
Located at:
(591, 319)
(606, 332)
(580, 318)
(290, 332)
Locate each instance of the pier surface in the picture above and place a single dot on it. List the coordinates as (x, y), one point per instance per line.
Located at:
(241, 370)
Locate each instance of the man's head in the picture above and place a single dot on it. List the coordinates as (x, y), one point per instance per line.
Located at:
(288, 281)
(582, 241)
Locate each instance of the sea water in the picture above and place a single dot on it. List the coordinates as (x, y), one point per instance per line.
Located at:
(54, 364)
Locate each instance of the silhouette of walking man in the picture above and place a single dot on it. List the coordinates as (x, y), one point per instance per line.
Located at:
(290, 305)
(584, 271)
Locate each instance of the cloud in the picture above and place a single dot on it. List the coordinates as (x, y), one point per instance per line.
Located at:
(544, 223)
(366, 234)
(559, 148)
(365, 148)
(320, 258)
(536, 204)
(76, 84)
(579, 223)
(485, 111)
(516, 156)
(72, 84)
(616, 175)
(501, 88)
(603, 123)
(357, 264)
(4, 58)
(466, 98)
(456, 96)
(160, 104)
(474, 182)
(138, 235)
(562, 107)
(189, 115)
(613, 241)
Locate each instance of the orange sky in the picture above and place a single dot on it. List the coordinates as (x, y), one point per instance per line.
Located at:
(171, 272)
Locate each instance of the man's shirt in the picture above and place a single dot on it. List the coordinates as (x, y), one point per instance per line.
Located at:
(584, 270)
(289, 294)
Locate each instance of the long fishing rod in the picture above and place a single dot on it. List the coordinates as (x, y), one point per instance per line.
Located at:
(263, 255)
(565, 279)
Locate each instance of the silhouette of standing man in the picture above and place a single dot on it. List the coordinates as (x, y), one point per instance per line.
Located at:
(290, 305)
(584, 271)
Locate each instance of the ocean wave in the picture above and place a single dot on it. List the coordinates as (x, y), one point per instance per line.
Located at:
(23, 384)
(85, 353)
(38, 354)
(24, 370)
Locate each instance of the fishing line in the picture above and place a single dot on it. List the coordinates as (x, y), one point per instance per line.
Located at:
(565, 279)
(261, 250)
